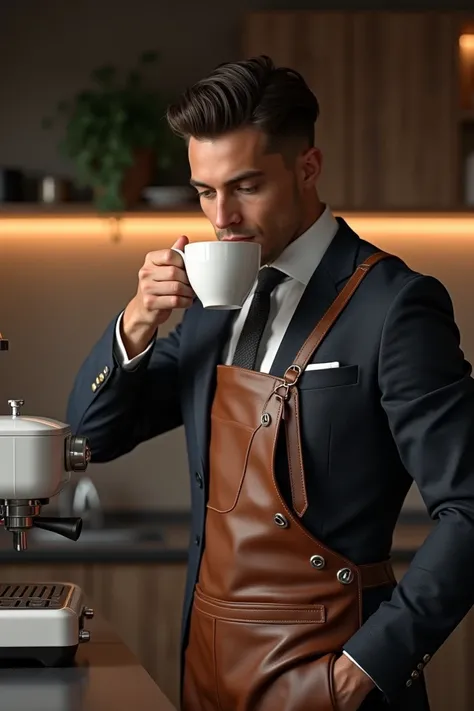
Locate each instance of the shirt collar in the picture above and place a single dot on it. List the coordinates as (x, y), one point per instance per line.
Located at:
(300, 259)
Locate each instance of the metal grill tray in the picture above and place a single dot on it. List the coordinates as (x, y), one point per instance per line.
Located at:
(33, 596)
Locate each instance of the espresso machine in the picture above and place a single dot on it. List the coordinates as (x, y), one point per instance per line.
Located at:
(40, 622)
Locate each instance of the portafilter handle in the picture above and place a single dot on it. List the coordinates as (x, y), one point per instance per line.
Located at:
(68, 527)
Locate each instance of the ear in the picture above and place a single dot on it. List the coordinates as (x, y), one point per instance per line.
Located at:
(310, 167)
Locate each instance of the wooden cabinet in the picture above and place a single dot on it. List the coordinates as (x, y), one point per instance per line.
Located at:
(404, 92)
(317, 44)
(387, 84)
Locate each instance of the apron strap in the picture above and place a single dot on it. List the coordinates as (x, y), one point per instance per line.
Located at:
(291, 404)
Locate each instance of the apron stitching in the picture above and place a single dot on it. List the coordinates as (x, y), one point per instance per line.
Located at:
(216, 677)
(240, 620)
(320, 621)
(300, 457)
(237, 494)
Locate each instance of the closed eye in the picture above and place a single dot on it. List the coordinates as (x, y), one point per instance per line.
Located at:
(206, 193)
(248, 191)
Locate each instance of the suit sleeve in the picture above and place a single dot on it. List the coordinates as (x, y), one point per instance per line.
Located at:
(428, 397)
(117, 408)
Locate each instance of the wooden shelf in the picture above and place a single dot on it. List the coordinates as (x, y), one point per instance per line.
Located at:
(39, 210)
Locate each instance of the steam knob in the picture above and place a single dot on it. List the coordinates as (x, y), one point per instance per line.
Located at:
(84, 635)
(88, 612)
(15, 406)
(78, 454)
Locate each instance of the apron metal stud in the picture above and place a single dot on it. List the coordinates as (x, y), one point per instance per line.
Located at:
(265, 419)
(345, 576)
(317, 561)
(280, 520)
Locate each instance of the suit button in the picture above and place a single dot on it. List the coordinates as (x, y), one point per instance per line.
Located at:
(415, 674)
(426, 658)
(409, 682)
(198, 476)
(197, 540)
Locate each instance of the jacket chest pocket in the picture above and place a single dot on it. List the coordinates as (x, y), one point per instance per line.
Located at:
(329, 378)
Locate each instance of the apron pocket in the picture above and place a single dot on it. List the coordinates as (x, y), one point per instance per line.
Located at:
(228, 460)
(270, 656)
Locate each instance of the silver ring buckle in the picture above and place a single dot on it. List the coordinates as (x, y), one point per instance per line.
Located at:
(287, 385)
(295, 369)
(285, 395)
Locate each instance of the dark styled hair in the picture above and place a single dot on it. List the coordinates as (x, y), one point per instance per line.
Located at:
(253, 92)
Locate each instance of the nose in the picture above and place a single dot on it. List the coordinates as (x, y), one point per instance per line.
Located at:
(227, 212)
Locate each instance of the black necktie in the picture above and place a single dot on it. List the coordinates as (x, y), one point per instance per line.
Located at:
(247, 347)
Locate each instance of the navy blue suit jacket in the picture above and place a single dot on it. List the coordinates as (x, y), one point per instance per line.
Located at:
(400, 407)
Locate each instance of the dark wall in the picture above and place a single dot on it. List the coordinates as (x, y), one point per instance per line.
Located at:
(48, 47)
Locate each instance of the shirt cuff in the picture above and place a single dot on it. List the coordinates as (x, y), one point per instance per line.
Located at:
(124, 361)
(358, 665)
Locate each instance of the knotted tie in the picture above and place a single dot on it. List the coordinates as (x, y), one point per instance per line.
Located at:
(247, 347)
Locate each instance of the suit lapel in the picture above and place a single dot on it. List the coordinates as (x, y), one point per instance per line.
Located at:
(211, 332)
(337, 265)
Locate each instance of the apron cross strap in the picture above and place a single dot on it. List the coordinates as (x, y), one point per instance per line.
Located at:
(376, 574)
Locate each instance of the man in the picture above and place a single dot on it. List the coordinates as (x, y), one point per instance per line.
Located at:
(299, 470)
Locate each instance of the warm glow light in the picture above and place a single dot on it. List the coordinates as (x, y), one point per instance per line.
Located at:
(166, 228)
(466, 42)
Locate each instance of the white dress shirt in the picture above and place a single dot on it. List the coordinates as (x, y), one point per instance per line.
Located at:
(298, 261)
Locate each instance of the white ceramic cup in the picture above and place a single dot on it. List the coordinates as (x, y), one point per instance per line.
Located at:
(221, 274)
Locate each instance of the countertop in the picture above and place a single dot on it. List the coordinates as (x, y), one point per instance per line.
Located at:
(105, 675)
(153, 537)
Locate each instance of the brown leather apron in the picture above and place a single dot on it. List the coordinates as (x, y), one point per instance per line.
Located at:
(273, 606)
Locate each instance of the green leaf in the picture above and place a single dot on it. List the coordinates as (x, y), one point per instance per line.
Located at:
(106, 124)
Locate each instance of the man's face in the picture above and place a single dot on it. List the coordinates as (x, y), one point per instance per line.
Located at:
(249, 193)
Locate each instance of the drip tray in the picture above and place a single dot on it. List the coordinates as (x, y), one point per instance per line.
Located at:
(44, 595)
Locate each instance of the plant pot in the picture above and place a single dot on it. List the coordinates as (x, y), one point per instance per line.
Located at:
(138, 176)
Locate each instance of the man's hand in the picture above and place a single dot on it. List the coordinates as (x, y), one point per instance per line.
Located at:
(162, 286)
(351, 684)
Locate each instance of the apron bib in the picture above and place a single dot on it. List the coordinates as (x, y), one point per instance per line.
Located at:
(273, 605)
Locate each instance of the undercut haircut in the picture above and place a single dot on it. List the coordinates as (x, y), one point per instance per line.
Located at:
(250, 93)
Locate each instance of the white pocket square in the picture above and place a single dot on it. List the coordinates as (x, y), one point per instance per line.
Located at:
(322, 366)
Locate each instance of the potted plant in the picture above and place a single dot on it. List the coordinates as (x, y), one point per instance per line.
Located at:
(116, 135)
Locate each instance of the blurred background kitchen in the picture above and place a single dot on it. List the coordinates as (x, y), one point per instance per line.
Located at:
(396, 91)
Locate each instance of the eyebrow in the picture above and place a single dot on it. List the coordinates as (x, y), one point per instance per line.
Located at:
(237, 179)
